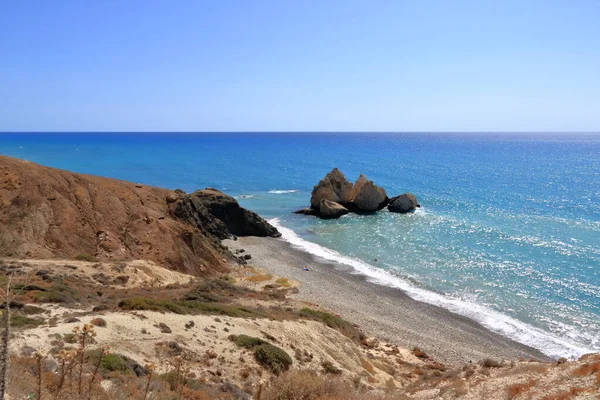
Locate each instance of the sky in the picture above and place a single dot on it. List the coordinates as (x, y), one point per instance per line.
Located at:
(395, 66)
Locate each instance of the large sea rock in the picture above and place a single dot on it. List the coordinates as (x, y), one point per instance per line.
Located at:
(329, 209)
(368, 197)
(239, 221)
(404, 203)
(334, 187)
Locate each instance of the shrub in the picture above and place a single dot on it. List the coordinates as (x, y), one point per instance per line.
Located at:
(69, 338)
(417, 352)
(519, 388)
(283, 282)
(246, 341)
(329, 368)
(86, 257)
(272, 357)
(259, 278)
(31, 310)
(51, 297)
(490, 363)
(98, 322)
(20, 321)
(185, 307)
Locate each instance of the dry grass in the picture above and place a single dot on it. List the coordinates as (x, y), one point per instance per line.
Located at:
(520, 388)
(284, 282)
(259, 278)
(308, 385)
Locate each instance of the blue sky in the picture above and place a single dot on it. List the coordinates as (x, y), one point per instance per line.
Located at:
(446, 65)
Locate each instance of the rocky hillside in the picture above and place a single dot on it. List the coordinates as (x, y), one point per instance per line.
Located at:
(50, 213)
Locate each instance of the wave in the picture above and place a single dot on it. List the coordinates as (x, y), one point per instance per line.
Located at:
(283, 191)
(245, 196)
(548, 343)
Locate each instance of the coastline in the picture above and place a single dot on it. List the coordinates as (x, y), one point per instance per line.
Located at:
(385, 312)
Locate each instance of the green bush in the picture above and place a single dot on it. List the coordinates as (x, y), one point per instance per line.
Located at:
(246, 341)
(110, 362)
(31, 310)
(69, 338)
(272, 357)
(51, 297)
(185, 307)
(19, 321)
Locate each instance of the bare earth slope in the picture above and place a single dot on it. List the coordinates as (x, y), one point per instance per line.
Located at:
(50, 213)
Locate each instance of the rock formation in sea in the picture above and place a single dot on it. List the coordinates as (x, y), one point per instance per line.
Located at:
(362, 197)
(404, 203)
(368, 197)
(331, 209)
(334, 187)
(51, 213)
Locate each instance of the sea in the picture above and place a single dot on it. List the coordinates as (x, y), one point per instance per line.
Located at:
(508, 233)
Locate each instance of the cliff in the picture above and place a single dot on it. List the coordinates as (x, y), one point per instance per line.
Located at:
(51, 213)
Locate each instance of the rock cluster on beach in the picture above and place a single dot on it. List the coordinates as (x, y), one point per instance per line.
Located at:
(335, 196)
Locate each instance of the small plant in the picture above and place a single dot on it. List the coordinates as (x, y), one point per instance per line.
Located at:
(417, 352)
(272, 357)
(329, 368)
(246, 341)
(99, 322)
(86, 257)
(284, 282)
(490, 363)
(21, 321)
(259, 278)
(70, 338)
(519, 388)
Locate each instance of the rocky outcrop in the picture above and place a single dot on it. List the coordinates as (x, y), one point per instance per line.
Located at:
(366, 196)
(50, 213)
(330, 209)
(334, 193)
(334, 187)
(404, 203)
(238, 220)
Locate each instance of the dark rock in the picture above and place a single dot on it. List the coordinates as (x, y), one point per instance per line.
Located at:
(404, 203)
(139, 371)
(100, 307)
(164, 328)
(121, 280)
(306, 211)
(42, 272)
(247, 256)
(238, 220)
(329, 209)
(72, 320)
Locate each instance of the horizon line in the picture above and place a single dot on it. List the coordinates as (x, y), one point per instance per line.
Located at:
(301, 132)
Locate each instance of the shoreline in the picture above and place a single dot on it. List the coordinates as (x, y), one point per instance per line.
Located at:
(382, 311)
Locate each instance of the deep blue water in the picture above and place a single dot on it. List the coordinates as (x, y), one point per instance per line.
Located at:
(509, 232)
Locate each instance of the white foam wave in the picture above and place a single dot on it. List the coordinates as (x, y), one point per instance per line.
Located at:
(245, 196)
(512, 328)
(283, 191)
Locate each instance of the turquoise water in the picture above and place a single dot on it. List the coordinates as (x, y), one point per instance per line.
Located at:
(509, 232)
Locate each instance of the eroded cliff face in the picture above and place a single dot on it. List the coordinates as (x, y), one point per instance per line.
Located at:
(50, 213)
